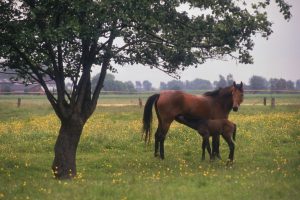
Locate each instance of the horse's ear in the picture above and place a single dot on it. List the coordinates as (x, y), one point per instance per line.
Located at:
(234, 84)
(241, 84)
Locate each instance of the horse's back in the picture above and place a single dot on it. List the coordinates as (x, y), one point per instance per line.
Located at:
(174, 102)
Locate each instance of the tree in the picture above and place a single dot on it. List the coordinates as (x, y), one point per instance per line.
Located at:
(221, 83)
(129, 86)
(5, 87)
(229, 79)
(298, 84)
(278, 84)
(108, 79)
(163, 86)
(290, 85)
(66, 40)
(147, 85)
(281, 84)
(110, 84)
(138, 85)
(258, 83)
(175, 85)
(198, 84)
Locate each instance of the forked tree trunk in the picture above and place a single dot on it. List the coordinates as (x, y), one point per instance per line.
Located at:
(81, 105)
(64, 164)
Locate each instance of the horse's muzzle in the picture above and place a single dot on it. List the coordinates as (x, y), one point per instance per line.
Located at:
(235, 109)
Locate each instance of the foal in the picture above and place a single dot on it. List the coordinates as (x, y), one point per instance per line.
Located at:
(214, 127)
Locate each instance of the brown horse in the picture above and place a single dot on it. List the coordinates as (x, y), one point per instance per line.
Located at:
(170, 104)
(214, 127)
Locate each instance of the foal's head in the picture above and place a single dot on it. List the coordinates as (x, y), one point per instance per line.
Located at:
(237, 95)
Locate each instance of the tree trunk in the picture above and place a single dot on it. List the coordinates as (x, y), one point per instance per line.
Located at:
(64, 164)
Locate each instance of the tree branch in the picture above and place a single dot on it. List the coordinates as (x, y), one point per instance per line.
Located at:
(107, 56)
(60, 79)
(39, 78)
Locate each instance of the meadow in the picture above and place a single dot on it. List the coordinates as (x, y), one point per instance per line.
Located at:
(113, 162)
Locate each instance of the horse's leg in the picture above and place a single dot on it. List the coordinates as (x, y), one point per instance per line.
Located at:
(215, 146)
(162, 146)
(157, 133)
(162, 138)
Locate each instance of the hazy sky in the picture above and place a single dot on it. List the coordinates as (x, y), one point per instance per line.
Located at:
(278, 57)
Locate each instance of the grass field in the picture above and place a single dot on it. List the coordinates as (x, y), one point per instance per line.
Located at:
(114, 163)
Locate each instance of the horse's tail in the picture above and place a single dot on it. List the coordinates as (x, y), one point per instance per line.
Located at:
(234, 131)
(147, 118)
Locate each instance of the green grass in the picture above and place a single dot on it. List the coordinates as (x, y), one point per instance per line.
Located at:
(114, 163)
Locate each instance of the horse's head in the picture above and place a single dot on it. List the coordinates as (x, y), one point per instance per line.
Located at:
(237, 95)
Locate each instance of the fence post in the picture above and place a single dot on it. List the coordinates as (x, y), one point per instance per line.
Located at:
(140, 102)
(19, 102)
(273, 102)
(265, 101)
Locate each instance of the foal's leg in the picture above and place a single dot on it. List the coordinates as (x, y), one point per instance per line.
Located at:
(228, 138)
(203, 148)
(208, 148)
(202, 134)
(205, 141)
(215, 146)
(206, 145)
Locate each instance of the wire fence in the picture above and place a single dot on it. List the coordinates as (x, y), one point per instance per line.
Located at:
(125, 98)
(156, 91)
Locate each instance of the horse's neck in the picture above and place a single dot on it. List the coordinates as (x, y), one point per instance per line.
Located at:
(225, 104)
(228, 105)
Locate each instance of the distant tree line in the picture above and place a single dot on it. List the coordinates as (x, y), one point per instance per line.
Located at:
(143, 86)
(197, 84)
(255, 83)
(261, 83)
(111, 84)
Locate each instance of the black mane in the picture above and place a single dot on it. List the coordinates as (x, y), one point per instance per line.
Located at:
(212, 93)
(219, 92)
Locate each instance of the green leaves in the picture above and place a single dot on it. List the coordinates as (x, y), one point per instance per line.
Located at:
(61, 39)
